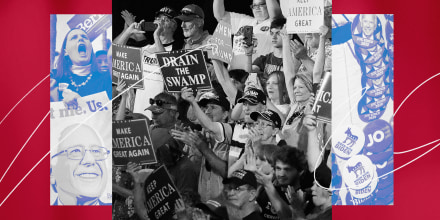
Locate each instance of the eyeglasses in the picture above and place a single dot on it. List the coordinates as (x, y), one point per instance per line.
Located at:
(163, 18)
(78, 152)
(188, 13)
(255, 6)
(295, 115)
(158, 102)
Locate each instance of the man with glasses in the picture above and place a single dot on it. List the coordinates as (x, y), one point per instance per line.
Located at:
(78, 169)
(241, 192)
(164, 111)
(264, 12)
(267, 126)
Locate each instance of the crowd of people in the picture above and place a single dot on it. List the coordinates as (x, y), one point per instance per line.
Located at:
(248, 148)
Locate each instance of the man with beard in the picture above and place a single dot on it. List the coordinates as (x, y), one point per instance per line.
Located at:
(78, 169)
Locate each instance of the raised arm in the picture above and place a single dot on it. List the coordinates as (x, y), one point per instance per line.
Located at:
(205, 121)
(218, 7)
(290, 70)
(225, 81)
(320, 57)
(123, 37)
(274, 9)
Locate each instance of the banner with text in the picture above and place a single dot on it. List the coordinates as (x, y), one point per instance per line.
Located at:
(305, 16)
(221, 43)
(160, 195)
(183, 68)
(93, 25)
(132, 143)
(127, 65)
(322, 107)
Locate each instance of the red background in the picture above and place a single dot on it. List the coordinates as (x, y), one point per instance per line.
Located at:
(24, 59)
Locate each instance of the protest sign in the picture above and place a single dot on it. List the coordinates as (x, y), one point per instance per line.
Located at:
(132, 143)
(160, 195)
(322, 108)
(305, 16)
(93, 25)
(127, 66)
(221, 43)
(184, 68)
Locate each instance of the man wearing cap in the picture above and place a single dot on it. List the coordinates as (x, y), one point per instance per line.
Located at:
(215, 148)
(241, 192)
(163, 41)
(264, 12)
(192, 17)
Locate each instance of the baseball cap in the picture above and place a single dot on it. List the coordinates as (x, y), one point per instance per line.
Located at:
(253, 96)
(210, 97)
(268, 115)
(161, 102)
(167, 11)
(242, 177)
(190, 12)
(214, 208)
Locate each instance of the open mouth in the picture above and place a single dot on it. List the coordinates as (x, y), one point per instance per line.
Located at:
(82, 50)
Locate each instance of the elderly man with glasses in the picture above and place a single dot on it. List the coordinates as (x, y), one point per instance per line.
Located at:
(78, 170)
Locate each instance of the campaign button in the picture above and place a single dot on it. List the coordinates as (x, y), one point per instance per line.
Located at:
(349, 141)
(358, 172)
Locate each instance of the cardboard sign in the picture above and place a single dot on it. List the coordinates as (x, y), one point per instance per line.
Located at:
(184, 68)
(160, 195)
(305, 16)
(93, 25)
(322, 107)
(126, 65)
(221, 43)
(132, 142)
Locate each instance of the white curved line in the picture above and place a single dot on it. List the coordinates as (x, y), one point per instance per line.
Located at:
(24, 178)
(414, 91)
(12, 109)
(42, 120)
(402, 152)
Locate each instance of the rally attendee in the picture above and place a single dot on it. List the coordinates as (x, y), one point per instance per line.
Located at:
(241, 192)
(77, 73)
(268, 124)
(78, 170)
(102, 61)
(192, 17)
(218, 134)
(264, 11)
(277, 92)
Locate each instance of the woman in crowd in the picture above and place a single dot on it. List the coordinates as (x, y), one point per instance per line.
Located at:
(77, 73)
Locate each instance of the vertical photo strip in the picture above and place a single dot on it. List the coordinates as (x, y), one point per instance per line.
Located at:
(221, 105)
(80, 109)
(363, 62)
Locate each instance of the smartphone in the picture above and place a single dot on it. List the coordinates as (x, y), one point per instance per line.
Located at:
(148, 26)
(247, 32)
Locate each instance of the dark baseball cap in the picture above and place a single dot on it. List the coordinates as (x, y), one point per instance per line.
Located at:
(242, 177)
(210, 97)
(214, 208)
(189, 12)
(167, 11)
(253, 96)
(268, 115)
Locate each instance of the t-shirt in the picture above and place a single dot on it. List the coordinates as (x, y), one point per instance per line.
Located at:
(268, 63)
(210, 183)
(153, 80)
(261, 33)
(267, 210)
(254, 216)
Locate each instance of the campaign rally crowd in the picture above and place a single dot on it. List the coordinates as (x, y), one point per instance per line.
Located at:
(249, 146)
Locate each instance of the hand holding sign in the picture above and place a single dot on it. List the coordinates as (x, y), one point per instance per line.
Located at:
(70, 99)
(139, 175)
(188, 94)
(323, 30)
